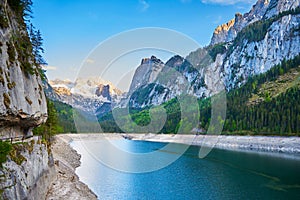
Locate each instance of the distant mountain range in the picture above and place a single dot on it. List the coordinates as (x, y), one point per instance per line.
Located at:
(86, 94)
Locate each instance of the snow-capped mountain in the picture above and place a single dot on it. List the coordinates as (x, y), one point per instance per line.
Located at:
(87, 94)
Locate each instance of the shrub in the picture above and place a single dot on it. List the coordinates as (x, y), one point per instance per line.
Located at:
(5, 148)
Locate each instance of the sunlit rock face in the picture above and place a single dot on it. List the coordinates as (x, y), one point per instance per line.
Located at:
(22, 101)
(227, 32)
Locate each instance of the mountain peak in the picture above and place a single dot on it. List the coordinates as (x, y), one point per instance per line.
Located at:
(152, 59)
(175, 61)
(224, 27)
(263, 9)
(228, 31)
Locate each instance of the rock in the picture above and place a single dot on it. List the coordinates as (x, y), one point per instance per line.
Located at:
(22, 101)
(227, 32)
(278, 6)
(146, 73)
(221, 32)
(249, 59)
(67, 184)
(103, 90)
(32, 177)
(86, 94)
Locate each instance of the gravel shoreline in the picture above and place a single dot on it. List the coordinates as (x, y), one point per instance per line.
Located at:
(273, 144)
(67, 185)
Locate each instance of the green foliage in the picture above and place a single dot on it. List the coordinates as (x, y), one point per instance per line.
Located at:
(29, 48)
(5, 148)
(61, 118)
(51, 127)
(215, 50)
(42, 73)
(65, 117)
(21, 8)
(37, 43)
(24, 49)
(257, 31)
(16, 153)
(279, 114)
(3, 18)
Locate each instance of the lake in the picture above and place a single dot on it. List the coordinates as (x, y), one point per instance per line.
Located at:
(221, 175)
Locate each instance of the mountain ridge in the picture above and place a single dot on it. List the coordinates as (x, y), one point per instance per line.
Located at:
(265, 36)
(86, 94)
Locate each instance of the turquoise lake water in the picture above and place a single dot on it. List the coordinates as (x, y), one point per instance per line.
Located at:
(221, 175)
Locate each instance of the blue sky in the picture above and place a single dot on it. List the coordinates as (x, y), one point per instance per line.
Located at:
(72, 28)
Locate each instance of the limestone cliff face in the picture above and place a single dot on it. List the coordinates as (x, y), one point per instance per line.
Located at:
(227, 32)
(29, 169)
(22, 100)
(263, 9)
(178, 76)
(249, 58)
(146, 73)
(278, 6)
(31, 176)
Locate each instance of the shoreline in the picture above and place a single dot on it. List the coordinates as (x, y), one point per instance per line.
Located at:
(289, 145)
(67, 184)
(266, 144)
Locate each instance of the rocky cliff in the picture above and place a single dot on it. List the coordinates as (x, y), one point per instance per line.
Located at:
(22, 100)
(249, 44)
(146, 73)
(28, 172)
(262, 10)
(29, 167)
(227, 32)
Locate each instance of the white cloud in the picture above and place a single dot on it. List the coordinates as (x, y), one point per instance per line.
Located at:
(228, 2)
(90, 61)
(48, 67)
(144, 5)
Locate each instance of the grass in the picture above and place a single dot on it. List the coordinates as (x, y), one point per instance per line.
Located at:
(14, 151)
(272, 89)
(5, 148)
